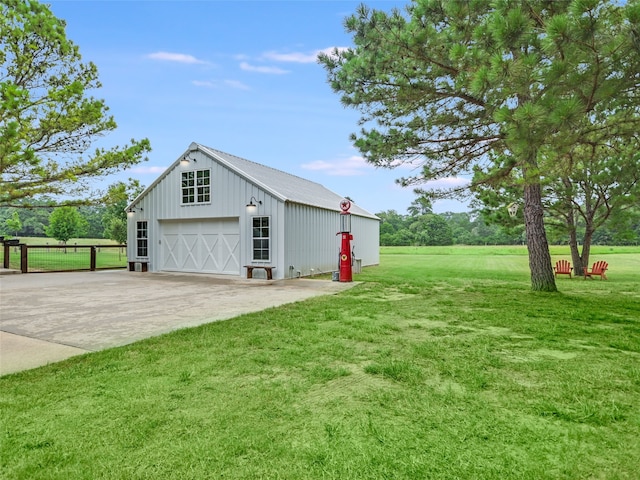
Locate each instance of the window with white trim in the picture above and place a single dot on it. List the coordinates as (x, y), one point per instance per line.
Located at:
(260, 239)
(142, 239)
(196, 186)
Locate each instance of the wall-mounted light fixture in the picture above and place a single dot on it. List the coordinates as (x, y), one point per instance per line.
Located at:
(184, 161)
(252, 207)
(133, 210)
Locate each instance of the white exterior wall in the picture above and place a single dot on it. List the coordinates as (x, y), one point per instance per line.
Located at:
(312, 240)
(230, 194)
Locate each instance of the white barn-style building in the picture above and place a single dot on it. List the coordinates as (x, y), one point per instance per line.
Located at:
(212, 212)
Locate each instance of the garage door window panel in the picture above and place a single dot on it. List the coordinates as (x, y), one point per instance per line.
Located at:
(196, 187)
(261, 239)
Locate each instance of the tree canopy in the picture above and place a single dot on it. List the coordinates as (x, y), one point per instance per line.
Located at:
(115, 218)
(13, 223)
(454, 86)
(48, 121)
(66, 223)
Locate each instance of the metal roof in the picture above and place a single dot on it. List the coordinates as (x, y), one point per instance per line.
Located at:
(285, 186)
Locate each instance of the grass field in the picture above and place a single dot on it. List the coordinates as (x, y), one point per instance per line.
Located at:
(441, 366)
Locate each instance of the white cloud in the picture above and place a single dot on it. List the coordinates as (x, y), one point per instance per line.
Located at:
(237, 84)
(270, 70)
(293, 57)
(288, 57)
(406, 164)
(330, 51)
(299, 57)
(175, 57)
(446, 183)
(347, 167)
(147, 170)
(205, 83)
(229, 83)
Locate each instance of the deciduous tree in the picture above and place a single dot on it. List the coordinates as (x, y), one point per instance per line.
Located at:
(13, 223)
(48, 121)
(431, 229)
(66, 223)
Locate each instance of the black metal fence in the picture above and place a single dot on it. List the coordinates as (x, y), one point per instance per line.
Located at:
(62, 258)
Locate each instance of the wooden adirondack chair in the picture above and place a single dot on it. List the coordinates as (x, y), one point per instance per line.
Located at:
(563, 267)
(598, 268)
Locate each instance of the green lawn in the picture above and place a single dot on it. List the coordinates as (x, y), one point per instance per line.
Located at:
(435, 366)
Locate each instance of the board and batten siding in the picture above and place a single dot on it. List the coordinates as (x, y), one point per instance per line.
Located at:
(312, 243)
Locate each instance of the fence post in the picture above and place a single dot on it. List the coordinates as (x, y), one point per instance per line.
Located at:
(24, 263)
(93, 259)
(7, 254)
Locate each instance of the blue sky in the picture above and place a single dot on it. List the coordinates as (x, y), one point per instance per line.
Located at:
(238, 76)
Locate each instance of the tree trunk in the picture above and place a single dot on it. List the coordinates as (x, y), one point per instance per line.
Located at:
(542, 277)
(576, 259)
(586, 247)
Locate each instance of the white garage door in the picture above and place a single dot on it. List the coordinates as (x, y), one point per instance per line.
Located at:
(204, 246)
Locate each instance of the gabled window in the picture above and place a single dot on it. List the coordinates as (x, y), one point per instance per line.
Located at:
(261, 236)
(142, 239)
(196, 186)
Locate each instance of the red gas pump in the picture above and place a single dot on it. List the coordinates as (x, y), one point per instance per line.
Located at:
(345, 248)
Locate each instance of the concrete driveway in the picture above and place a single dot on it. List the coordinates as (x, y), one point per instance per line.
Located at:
(47, 317)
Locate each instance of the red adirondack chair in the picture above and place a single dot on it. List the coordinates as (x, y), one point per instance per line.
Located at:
(563, 267)
(598, 268)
